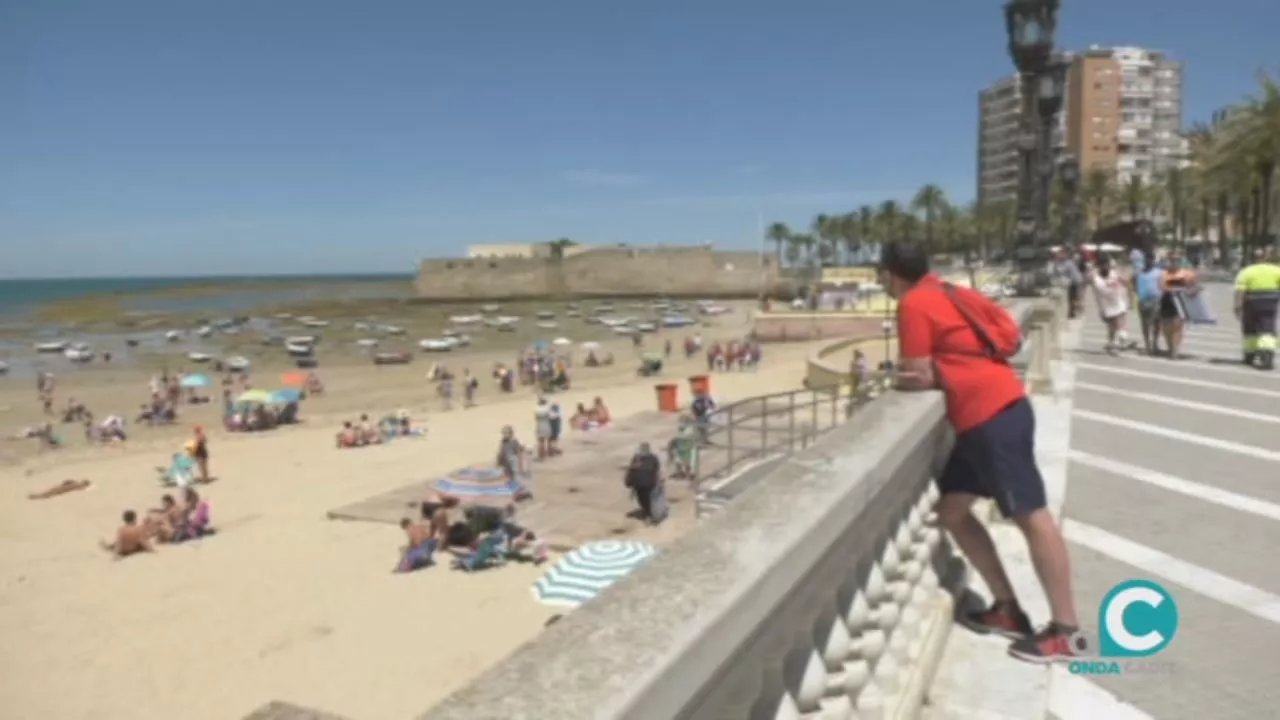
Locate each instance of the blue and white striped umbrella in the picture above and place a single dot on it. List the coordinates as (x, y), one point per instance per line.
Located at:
(586, 571)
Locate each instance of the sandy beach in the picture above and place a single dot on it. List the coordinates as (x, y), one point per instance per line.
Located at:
(281, 603)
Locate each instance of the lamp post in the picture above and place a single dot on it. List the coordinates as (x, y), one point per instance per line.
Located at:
(1030, 25)
(1069, 171)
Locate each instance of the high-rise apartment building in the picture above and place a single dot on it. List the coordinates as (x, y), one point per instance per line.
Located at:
(999, 107)
(1122, 111)
(1125, 111)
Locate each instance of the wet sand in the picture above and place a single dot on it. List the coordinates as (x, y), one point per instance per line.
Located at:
(281, 603)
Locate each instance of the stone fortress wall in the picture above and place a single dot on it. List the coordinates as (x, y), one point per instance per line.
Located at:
(601, 272)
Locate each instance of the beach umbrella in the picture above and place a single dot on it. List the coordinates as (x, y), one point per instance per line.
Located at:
(562, 341)
(479, 482)
(590, 345)
(286, 396)
(261, 397)
(586, 571)
(195, 381)
(294, 379)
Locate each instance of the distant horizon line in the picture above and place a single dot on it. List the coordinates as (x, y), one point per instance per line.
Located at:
(282, 276)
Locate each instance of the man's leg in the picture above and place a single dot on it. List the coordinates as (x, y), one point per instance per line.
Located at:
(960, 486)
(1009, 441)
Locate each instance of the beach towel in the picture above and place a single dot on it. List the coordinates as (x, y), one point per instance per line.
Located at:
(1194, 306)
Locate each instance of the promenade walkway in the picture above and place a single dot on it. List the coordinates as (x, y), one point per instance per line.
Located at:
(1174, 476)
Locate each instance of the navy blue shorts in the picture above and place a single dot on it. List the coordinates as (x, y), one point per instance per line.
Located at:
(997, 460)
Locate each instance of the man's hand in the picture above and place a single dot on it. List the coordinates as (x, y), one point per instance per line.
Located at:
(915, 374)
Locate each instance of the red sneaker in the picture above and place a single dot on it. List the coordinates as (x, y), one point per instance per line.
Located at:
(1000, 619)
(1050, 645)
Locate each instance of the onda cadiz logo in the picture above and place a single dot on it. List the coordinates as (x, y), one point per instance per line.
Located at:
(1136, 620)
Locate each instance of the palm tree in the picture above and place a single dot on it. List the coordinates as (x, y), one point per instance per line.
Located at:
(1252, 141)
(778, 234)
(827, 230)
(889, 220)
(929, 199)
(1135, 195)
(851, 236)
(867, 224)
(1098, 190)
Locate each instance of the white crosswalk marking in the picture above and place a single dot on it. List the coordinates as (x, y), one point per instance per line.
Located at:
(1178, 402)
(1200, 491)
(1248, 598)
(1185, 437)
(1179, 379)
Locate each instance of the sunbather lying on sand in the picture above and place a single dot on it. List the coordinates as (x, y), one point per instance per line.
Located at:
(131, 538)
(422, 544)
(62, 488)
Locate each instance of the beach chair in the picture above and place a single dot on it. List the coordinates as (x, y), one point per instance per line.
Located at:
(182, 472)
(489, 551)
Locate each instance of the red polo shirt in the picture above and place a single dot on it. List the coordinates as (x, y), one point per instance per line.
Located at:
(929, 326)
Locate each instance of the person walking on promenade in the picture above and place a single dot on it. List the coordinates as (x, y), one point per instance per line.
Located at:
(1112, 293)
(958, 340)
(1257, 298)
(1150, 285)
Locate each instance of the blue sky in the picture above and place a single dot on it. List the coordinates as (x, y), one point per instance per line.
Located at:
(181, 137)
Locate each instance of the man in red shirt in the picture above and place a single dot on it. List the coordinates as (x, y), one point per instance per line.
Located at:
(943, 346)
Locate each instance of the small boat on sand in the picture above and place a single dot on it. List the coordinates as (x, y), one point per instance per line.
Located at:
(316, 323)
(301, 340)
(388, 358)
(646, 327)
(4, 367)
(51, 347)
(80, 354)
(297, 350)
(238, 363)
(548, 325)
(199, 357)
(466, 319)
(545, 314)
(678, 321)
(391, 329)
(204, 331)
(367, 342)
(490, 308)
(173, 336)
(438, 344)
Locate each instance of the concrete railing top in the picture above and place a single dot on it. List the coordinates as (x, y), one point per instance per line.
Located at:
(650, 645)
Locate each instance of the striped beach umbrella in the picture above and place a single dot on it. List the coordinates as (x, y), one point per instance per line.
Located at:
(586, 571)
(478, 482)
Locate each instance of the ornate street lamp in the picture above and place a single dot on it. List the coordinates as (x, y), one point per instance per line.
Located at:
(1031, 25)
(886, 326)
(1069, 171)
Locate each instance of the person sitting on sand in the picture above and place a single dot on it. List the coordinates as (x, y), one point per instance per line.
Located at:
(365, 431)
(195, 517)
(62, 488)
(314, 386)
(162, 523)
(73, 412)
(601, 412)
(421, 546)
(348, 436)
(131, 538)
(581, 418)
(520, 541)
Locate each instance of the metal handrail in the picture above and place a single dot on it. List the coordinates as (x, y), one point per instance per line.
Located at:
(765, 426)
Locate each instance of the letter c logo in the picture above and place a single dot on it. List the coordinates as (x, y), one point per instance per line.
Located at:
(1138, 618)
